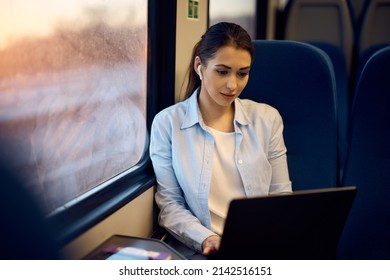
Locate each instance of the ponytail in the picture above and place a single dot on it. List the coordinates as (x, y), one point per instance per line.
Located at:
(193, 78)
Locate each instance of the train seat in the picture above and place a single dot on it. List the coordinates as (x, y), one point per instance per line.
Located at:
(328, 25)
(321, 21)
(367, 231)
(298, 80)
(342, 95)
(373, 30)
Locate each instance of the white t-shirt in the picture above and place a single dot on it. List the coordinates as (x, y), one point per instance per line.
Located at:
(226, 182)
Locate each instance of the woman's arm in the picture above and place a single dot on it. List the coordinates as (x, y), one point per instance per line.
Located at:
(174, 215)
(280, 181)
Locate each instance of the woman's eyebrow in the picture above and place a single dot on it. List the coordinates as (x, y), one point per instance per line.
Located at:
(228, 67)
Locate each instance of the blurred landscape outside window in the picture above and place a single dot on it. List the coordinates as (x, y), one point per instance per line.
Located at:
(72, 93)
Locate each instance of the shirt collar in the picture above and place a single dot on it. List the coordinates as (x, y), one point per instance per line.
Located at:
(240, 116)
(194, 116)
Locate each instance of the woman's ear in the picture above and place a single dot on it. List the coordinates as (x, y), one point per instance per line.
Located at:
(197, 66)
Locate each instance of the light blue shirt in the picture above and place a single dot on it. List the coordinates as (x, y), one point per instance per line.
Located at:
(181, 150)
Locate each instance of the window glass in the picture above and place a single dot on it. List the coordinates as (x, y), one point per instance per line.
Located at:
(72, 92)
(242, 12)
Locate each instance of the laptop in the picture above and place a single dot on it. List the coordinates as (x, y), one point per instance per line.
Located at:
(303, 225)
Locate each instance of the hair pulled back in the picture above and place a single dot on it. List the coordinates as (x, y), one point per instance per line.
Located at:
(217, 36)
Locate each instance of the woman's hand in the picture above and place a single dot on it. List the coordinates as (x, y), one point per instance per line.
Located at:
(211, 244)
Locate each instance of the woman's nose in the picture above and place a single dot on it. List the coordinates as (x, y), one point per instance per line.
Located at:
(232, 82)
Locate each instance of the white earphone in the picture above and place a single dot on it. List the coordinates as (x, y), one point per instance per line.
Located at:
(199, 73)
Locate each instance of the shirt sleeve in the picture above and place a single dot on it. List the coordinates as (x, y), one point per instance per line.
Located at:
(280, 181)
(174, 213)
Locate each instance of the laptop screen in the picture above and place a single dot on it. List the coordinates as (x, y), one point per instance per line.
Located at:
(301, 225)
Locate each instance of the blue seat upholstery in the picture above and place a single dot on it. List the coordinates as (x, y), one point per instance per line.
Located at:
(367, 231)
(298, 79)
(342, 95)
(329, 25)
(365, 56)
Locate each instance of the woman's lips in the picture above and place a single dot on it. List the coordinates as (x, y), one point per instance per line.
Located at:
(227, 95)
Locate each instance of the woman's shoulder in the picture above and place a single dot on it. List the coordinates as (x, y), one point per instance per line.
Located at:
(258, 109)
(175, 112)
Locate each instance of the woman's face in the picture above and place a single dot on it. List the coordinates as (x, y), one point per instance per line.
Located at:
(226, 75)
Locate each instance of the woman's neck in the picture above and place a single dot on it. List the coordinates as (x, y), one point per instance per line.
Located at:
(218, 117)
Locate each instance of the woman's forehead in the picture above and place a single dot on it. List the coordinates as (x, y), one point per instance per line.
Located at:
(232, 56)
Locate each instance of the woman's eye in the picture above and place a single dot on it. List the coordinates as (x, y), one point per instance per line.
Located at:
(222, 72)
(243, 74)
(226, 72)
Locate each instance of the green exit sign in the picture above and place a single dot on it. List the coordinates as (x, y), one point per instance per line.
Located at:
(193, 9)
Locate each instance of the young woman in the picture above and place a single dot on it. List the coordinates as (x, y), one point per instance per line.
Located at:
(213, 146)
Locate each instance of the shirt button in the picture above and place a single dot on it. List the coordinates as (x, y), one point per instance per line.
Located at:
(240, 161)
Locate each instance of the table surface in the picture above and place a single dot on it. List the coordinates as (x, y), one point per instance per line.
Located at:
(149, 244)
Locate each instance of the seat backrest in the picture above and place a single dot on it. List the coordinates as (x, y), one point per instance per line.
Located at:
(374, 29)
(323, 21)
(367, 231)
(342, 94)
(298, 80)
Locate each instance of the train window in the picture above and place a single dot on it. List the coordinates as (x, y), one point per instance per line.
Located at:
(240, 12)
(73, 81)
